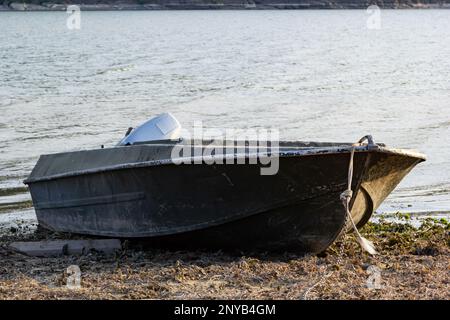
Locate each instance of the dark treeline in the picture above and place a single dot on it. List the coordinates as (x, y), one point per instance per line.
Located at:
(219, 4)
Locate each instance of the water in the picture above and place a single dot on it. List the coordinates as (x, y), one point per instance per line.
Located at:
(315, 75)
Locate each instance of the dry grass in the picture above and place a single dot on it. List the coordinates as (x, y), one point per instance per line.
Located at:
(414, 264)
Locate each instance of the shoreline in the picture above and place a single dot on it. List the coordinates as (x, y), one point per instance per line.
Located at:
(412, 263)
(210, 5)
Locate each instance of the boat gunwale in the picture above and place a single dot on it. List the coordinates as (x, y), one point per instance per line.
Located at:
(300, 152)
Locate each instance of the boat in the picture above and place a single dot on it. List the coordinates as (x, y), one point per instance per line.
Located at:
(138, 189)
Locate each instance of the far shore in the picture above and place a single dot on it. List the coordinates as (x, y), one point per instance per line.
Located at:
(212, 5)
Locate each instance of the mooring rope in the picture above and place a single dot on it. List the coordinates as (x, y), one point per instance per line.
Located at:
(346, 196)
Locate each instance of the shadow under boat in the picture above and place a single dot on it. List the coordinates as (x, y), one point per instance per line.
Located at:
(137, 191)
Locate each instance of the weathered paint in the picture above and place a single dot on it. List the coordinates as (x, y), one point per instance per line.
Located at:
(95, 192)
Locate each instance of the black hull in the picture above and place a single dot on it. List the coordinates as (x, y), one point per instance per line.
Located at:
(298, 228)
(221, 206)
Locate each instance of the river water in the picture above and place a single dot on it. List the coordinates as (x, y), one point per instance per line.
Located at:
(314, 75)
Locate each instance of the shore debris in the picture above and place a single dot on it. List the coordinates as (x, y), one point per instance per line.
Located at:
(51, 248)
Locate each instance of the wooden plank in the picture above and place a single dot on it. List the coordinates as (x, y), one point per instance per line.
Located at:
(51, 248)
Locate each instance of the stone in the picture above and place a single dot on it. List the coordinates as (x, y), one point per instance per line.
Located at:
(50, 248)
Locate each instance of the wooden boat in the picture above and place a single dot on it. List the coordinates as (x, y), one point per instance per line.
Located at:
(137, 191)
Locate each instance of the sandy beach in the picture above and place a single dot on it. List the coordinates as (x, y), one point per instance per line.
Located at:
(413, 263)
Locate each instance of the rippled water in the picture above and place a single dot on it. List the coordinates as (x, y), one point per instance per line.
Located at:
(316, 75)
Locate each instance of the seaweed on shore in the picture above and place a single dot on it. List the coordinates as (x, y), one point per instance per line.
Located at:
(413, 264)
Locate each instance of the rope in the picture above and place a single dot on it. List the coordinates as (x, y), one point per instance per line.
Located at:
(346, 197)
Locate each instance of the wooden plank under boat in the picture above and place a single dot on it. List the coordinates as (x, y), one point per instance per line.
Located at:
(137, 191)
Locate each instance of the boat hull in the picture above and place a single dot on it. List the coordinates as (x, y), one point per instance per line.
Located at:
(221, 206)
